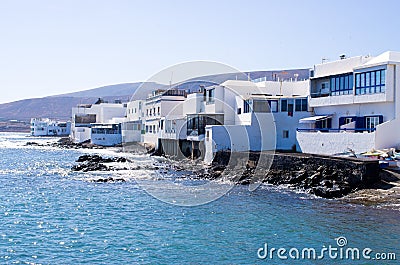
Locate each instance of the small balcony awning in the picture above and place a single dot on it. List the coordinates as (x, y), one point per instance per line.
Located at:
(314, 119)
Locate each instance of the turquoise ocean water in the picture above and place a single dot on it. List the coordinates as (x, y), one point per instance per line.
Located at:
(50, 215)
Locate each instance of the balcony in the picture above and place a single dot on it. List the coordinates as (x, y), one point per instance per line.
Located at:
(196, 123)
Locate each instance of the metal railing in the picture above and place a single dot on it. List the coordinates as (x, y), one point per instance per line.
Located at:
(337, 130)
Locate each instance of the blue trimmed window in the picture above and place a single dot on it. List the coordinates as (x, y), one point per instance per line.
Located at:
(371, 82)
(341, 84)
(301, 104)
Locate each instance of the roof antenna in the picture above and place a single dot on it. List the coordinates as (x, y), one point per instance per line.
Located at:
(170, 81)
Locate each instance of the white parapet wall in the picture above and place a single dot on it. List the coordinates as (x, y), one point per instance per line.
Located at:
(81, 134)
(325, 143)
(388, 135)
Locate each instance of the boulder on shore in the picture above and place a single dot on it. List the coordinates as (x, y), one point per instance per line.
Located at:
(96, 163)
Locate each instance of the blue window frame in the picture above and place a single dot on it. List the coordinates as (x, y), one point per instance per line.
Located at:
(246, 106)
(371, 82)
(284, 107)
(341, 84)
(301, 104)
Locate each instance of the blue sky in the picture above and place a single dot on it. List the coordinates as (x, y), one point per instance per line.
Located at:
(53, 47)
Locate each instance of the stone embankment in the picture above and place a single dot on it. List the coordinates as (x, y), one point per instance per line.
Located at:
(324, 176)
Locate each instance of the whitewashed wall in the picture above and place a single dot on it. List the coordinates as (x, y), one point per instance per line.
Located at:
(339, 66)
(333, 143)
(106, 139)
(81, 134)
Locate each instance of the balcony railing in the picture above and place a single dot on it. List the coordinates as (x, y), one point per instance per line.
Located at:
(320, 94)
(328, 130)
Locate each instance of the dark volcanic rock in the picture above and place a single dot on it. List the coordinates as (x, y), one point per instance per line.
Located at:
(33, 144)
(90, 166)
(99, 159)
(96, 163)
(110, 179)
(324, 176)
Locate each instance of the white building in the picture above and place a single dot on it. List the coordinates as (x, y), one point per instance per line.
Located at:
(133, 126)
(48, 127)
(356, 104)
(259, 117)
(85, 116)
(161, 103)
(232, 116)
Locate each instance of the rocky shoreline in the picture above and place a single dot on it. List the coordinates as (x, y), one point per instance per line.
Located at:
(383, 194)
(348, 179)
(67, 143)
(323, 176)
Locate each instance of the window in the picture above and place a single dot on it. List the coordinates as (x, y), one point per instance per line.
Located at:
(348, 120)
(324, 124)
(284, 105)
(371, 82)
(325, 87)
(297, 105)
(162, 124)
(210, 96)
(246, 106)
(260, 106)
(341, 84)
(273, 105)
(285, 134)
(158, 110)
(371, 122)
(301, 104)
(290, 107)
(239, 111)
(207, 135)
(304, 104)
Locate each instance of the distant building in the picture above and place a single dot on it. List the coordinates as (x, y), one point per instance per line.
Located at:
(133, 126)
(48, 127)
(356, 104)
